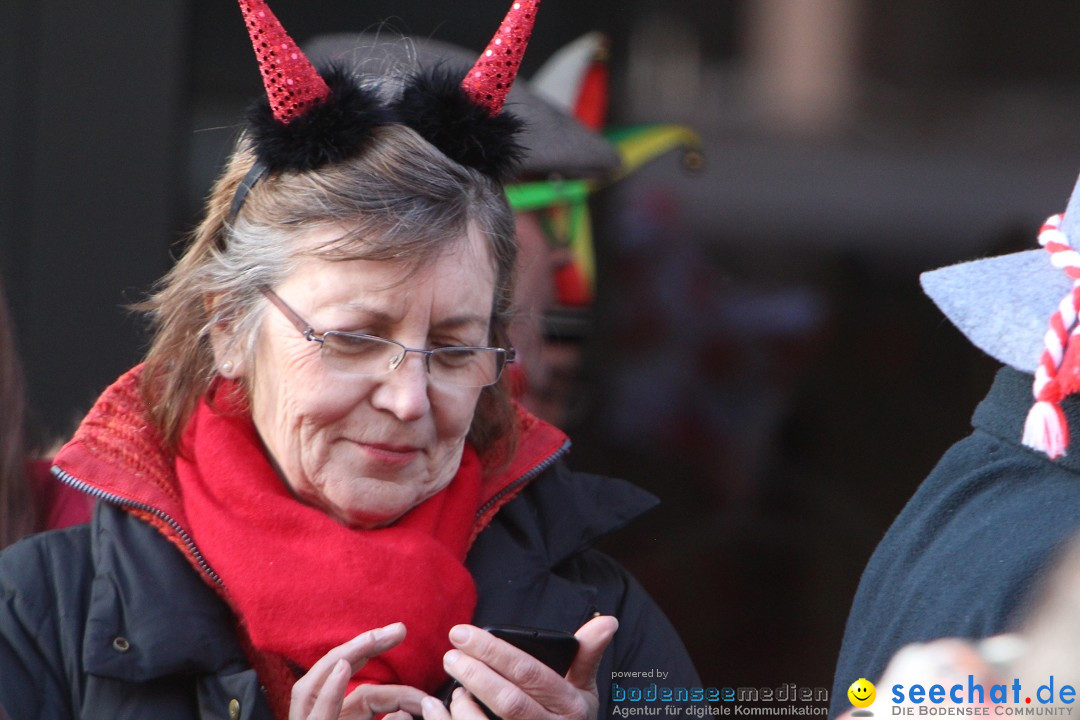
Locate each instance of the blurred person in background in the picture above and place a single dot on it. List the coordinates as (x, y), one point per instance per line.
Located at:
(964, 557)
(31, 500)
(559, 151)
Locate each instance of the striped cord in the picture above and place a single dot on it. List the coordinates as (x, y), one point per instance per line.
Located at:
(1046, 429)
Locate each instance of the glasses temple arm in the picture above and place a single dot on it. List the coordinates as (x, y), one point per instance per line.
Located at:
(305, 329)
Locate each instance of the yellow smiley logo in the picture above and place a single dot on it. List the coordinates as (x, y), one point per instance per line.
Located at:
(862, 693)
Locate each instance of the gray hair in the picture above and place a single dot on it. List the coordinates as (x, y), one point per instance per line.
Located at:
(401, 199)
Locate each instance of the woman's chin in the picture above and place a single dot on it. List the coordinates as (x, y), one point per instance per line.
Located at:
(368, 522)
(357, 497)
(370, 504)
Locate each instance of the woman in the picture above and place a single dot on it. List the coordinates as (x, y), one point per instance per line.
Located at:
(315, 490)
(30, 499)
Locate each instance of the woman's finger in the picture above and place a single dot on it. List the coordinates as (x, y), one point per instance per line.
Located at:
(369, 700)
(489, 686)
(464, 707)
(326, 705)
(434, 710)
(593, 639)
(508, 680)
(355, 653)
(515, 684)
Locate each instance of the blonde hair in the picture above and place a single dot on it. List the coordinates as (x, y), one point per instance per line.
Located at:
(401, 199)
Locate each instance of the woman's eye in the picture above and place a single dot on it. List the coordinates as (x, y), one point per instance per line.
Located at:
(455, 356)
(438, 343)
(348, 344)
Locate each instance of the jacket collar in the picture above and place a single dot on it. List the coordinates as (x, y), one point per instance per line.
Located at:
(519, 562)
(571, 511)
(1003, 410)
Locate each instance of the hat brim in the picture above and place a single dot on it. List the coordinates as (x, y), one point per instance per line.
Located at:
(1002, 304)
(556, 143)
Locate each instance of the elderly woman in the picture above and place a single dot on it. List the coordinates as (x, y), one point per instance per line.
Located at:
(315, 491)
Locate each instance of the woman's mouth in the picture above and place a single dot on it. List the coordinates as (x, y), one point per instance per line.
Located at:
(390, 454)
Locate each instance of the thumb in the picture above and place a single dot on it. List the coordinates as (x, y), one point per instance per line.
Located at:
(593, 638)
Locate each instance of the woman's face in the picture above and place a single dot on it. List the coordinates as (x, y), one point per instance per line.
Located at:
(367, 449)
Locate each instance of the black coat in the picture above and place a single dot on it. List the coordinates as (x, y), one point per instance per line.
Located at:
(966, 555)
(109, 620)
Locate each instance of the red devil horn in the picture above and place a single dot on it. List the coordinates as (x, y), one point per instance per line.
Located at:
(292, 83)
(489, 80)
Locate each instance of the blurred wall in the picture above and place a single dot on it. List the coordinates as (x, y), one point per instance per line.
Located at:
(89, 177)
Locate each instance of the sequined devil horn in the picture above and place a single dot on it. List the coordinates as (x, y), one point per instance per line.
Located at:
(308, 119)
(462, 113)
(489, 80)
(292, 83)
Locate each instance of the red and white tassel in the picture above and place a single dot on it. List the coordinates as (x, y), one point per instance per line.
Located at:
(1046, 428)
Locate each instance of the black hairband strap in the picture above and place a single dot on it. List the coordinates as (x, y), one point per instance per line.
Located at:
(257, 172)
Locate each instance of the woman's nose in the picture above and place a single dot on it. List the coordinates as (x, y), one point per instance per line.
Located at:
(403, 390)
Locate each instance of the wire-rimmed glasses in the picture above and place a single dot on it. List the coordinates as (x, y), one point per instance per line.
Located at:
(371, 355)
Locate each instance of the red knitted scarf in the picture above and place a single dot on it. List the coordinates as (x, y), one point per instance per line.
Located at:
(301, 583)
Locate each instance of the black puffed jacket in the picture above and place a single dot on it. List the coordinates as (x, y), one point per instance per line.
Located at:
(110, 620)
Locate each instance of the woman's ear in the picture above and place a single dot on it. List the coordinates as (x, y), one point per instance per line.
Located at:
(228, 357)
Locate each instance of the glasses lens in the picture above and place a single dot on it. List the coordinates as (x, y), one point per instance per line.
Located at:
(360, 354)
(370, 355)
(466, 366)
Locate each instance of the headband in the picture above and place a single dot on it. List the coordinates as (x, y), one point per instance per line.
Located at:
(311, 119)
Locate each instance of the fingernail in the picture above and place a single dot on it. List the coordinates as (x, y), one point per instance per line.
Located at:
(450, 658)
(341, 667)
(429, 705)
(380, 633)
(460, 634)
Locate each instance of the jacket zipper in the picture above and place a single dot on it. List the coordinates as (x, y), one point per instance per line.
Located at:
(81, 486)
(527, 476)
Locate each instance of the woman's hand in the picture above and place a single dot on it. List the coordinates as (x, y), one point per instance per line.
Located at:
(517, 686)
(320, 694)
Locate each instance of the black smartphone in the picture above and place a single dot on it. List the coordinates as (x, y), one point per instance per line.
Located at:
(554, 648)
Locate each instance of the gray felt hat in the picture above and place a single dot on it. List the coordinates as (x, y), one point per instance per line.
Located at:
(1003, 304)
(556, 143)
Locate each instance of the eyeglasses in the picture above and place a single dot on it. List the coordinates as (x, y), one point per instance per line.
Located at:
(361, 354)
